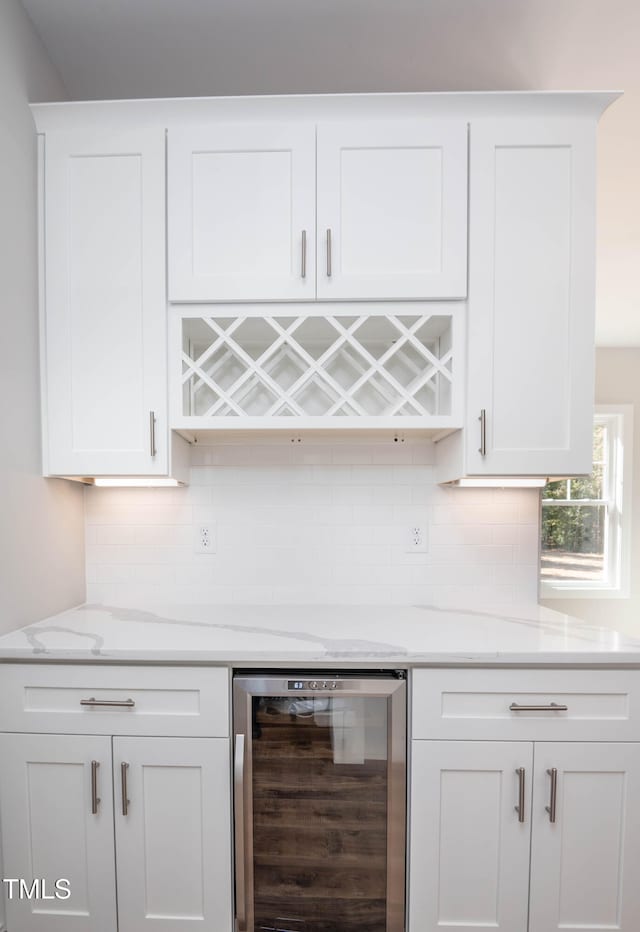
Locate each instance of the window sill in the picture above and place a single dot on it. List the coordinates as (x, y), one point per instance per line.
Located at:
(565, 591)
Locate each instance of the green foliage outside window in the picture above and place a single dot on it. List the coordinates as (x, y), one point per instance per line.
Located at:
(574, 528)
(577, 523)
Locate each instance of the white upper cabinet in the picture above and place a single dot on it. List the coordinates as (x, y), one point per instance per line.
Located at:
(531, 305)
(241, 212)
(531, 299)
(392, 210)
(414, 261)
(104, 333)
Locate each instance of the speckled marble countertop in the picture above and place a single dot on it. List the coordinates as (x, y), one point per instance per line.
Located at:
(332, 635)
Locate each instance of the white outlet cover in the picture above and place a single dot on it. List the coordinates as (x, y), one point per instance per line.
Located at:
(204, 538)
(417, 539)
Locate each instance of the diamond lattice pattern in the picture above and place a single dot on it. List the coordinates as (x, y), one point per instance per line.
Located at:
(308, 366)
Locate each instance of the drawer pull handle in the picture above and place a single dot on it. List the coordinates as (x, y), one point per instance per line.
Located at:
(551, 808)
(111, 703)
(550, 707)
(95, 799)
(328, 253)
(521, 781)
(123, 780)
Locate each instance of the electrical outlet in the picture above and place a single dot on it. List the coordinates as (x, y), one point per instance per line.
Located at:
(204, 538)
(417, 539)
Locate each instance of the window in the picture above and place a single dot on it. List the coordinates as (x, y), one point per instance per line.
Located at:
(585, 531)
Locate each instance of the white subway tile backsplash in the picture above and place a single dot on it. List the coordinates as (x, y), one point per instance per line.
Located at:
(528, 510)
(505, 534)
(352, 453)
(174, 535)
(312, 522)
(312, 454)
(495, 554)
(461, 535)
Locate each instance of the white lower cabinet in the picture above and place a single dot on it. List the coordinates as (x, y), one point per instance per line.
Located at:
(572, 863)
(469, 855)
(60, 805)
(49, 831)
(173, 846)
(585, 866)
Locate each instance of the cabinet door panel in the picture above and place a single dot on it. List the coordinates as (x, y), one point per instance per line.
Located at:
(394, 196)
(531, 297)
(50, 833)
(174, 845)
(469, 854)
(105, 334)
(239, 198)
(585, 866)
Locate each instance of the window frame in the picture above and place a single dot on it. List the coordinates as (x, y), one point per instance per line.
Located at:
(616, 585)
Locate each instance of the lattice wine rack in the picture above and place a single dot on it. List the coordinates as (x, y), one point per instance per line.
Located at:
(242, 368)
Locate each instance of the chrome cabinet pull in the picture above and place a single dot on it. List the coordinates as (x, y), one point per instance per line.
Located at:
(303, 261)
(95, 799)
(521, 787)
(553, 799)
(152, 433)
(482, 449)
(328, 253)
(238, 809)
(112, 703)
(123, 780)
(550, 707)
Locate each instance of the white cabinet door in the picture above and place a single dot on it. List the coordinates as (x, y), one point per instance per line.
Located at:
(469, 853)
(104, 359)
(241, 212)
(531, 297)
(50, 833)
(394, 198)
(173, 846)
(585, 866)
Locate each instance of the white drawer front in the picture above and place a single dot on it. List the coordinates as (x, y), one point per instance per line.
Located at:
(542, 705)
(180, 701)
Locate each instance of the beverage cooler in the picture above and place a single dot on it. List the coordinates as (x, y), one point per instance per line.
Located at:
(320, 801)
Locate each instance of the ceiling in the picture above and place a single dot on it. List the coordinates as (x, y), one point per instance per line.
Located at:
(174, 48)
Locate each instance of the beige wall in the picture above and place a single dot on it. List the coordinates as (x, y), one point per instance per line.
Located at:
(617, 381)
(41, 520)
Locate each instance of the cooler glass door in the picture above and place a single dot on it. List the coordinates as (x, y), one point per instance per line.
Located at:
(320, 793)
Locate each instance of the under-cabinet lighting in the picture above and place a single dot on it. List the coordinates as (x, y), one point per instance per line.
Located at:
(499, 482)
(135, 481)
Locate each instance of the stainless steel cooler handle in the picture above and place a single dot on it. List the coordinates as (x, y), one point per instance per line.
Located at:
(238, 808)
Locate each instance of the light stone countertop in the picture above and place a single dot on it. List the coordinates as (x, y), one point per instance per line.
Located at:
(331, 635)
